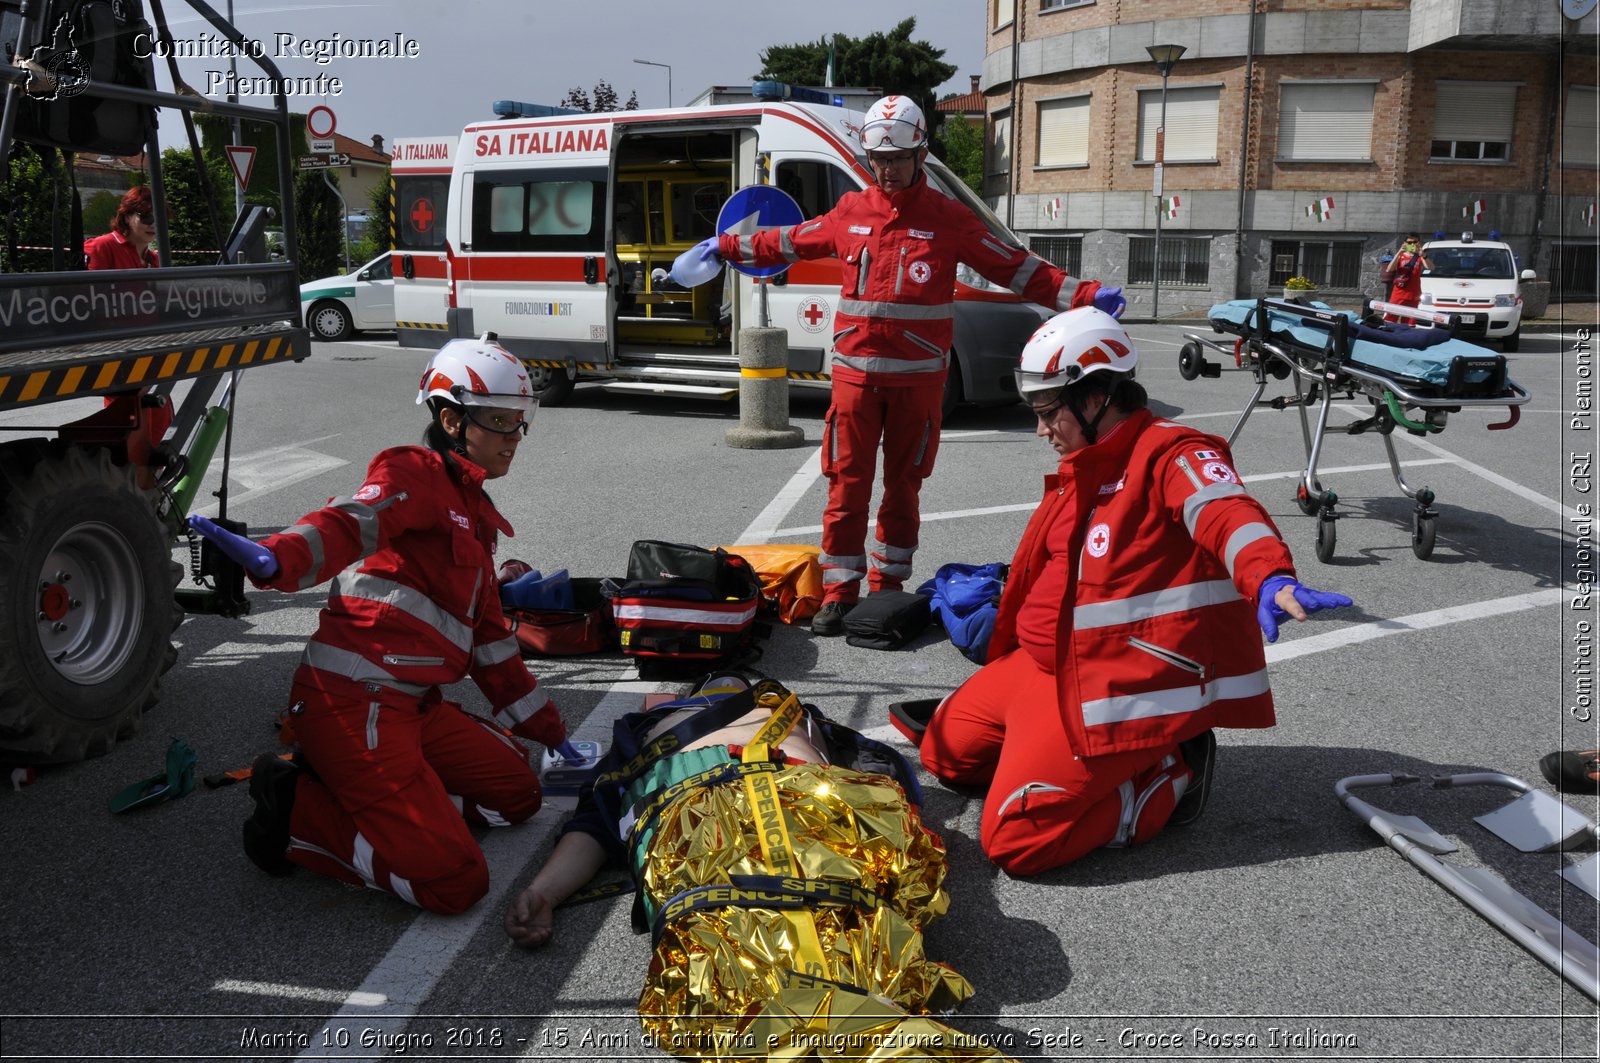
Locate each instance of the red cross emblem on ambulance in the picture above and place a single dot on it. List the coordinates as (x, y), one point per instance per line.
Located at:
(813, 315)
(1099, 539)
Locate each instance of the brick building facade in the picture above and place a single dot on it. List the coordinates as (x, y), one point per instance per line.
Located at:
(1301, 137)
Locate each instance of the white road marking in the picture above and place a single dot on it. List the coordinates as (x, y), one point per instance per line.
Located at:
(265, 471)
(297, 992)
(765, 525)
(1455, 614)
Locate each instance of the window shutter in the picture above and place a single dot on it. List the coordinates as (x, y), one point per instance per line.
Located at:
(1004, 11)
(1579, 126)
(1475, 110)
(1064, 132)
(1000, 145)
(1191, 124)
(1325, 121)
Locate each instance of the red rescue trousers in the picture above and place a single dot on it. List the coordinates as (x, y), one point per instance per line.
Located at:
(1045, 807)
(395, 782)
(906, 421)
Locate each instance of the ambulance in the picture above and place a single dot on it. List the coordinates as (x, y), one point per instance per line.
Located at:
(559, 229)
(419, 172)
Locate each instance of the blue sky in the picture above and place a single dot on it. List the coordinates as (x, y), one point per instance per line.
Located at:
(471, 52)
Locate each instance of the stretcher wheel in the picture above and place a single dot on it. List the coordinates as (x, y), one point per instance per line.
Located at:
(1189, 360)
(1327, 536)
(1422, 533)
(1302, 498)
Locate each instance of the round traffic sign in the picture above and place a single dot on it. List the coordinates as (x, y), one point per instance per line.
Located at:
(320, 122)
(758, 207)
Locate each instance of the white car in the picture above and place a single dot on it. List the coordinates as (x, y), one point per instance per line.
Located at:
(1476, 279)
(337, 307)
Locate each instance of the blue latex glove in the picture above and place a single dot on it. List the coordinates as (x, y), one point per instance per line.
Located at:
(256, 559)
(1268, 612)
(699, 264)
(567, 752)
(1111, 301)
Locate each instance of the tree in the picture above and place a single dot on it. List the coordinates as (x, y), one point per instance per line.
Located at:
(189, 224)
(376, 240)
(892, 61)
(605, 99)
(319, 226)
(962, 143)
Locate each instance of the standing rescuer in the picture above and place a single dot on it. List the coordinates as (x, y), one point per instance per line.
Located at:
(389, 774)
(1125, 632)
(900, 241)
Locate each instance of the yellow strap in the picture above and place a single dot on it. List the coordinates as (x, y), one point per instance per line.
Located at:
(764, 374)
(773, 830)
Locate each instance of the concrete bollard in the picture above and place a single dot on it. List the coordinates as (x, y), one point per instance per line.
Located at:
(764, 393)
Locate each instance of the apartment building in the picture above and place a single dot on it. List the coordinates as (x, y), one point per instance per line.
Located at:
(1302, 137)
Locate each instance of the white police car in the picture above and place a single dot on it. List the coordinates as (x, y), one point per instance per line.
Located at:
(1477, 280)
(337, 307)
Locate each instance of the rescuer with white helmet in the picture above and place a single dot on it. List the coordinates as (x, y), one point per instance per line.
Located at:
(900, 241)
(1124, 634)
(389, 776)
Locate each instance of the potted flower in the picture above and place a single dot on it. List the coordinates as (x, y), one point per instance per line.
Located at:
(1298, 287)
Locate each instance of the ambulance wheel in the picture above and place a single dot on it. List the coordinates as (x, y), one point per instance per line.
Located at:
(1302, 498)
(1510, 344)
(87, 606)
(952, 388)
(1189, 361)
(1422, 533)
(551, 386)
(329, 321)
(1327, 536)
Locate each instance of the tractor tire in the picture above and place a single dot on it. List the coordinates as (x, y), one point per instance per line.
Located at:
(86, 603)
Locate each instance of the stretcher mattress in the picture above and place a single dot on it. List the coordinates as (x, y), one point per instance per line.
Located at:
(1428, 364)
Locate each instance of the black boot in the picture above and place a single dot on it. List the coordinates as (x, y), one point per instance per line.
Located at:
(829, 620)
(266, 832)
(1200, 754)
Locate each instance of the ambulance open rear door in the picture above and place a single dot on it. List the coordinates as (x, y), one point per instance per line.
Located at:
(419, 209)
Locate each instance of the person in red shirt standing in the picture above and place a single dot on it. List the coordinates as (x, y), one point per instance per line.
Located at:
(1404, 274)
(1125, 629)
(389, 773)
(133, 230)
(900, 241)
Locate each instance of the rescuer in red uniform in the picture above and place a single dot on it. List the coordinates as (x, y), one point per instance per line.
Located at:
(389, 774)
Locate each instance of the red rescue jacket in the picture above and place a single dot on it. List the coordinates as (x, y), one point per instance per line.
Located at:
(896, 312)
(1157, 637)
(423, 608)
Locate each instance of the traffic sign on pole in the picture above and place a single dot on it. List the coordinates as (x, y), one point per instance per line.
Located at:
(320, 122)
(321, 161)
(758, 207)
(242, 158)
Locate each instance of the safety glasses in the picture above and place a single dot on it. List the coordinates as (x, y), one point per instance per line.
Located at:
(500, 422)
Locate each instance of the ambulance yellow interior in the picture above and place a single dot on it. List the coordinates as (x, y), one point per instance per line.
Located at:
(660, 212)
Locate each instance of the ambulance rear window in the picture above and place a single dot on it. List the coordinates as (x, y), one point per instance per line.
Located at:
(538, 210)
(419, 211)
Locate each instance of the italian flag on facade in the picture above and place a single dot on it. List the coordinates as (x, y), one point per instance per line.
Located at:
(1320, 209)
(1588, 215)
(1052, 208)
(1476, 211)
(1171, 206)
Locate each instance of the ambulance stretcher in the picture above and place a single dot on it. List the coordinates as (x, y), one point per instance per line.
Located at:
(1396, 368)
(1534, 822)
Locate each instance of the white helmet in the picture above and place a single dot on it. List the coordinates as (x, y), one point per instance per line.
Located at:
(477, 372)
(1072, 345)
(894, 123)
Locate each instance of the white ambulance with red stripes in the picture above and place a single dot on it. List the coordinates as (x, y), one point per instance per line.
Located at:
(419, 171)
(559, 227)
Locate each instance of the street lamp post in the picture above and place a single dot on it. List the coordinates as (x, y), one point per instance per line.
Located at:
(1166, 57)
(646, 62)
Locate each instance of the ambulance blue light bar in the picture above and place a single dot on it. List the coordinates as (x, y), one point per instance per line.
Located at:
(517, 109)
(781, 90)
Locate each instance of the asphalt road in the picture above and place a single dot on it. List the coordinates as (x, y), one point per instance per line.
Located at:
(1279, 926)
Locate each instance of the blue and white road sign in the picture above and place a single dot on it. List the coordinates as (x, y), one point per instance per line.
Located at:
(758, 207)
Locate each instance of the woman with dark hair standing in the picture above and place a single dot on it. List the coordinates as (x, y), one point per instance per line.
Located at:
(133, 230)
(389, 774)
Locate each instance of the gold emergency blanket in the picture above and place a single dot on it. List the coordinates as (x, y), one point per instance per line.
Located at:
(732, 980)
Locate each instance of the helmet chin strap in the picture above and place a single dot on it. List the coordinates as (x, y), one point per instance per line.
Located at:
(1090, 429)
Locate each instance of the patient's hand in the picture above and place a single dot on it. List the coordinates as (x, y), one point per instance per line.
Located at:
(530, 919)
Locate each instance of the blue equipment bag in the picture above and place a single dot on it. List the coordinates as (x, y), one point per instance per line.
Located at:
(966, 599)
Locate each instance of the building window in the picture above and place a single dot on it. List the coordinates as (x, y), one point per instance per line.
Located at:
(1062, 5)
(1000, 143)
(1327, 264)
(1065, 252)
(1325, 121)
(1064, 132)
(1191, 124)
(1580, 125)
(1185, 261)
(1005, 11)
(1472, 120)
(1574, 270)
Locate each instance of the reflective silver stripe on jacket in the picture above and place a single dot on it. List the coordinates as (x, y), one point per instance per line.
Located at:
(1156, 603)
(366, 518)
(525, 706)
(353, 666)
(492, 653)
(408, 600)
(313, 541)
(895, 553)
(888, 568)
(1025, 272)
(898, 311)
(875, 364)
(1201, 498)
(1128, 707)
(747, 248)
(1243, 537)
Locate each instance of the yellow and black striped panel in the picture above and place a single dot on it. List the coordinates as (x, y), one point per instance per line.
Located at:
(544, 363)
(797, 375)
(430, 325)
(119, 374)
